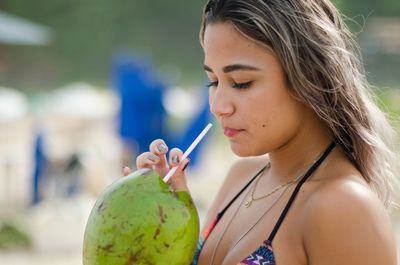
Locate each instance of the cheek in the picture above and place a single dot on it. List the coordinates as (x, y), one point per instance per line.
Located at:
(211, 93)
(287, 120)
(277, 118)
(260, 112)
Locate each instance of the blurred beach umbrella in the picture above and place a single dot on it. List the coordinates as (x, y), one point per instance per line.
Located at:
(13, 105)
(18, 31)
(81, 100)
(183, 103)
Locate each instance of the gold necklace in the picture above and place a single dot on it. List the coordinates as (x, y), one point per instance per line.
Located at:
(262, 216)
(234, 216)
(251, 197)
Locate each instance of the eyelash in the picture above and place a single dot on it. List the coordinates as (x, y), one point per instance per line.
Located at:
(242, 85)
(234, 85)
(212, 84)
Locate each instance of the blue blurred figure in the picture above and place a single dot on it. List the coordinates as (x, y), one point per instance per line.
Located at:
(40, 163)
(192, 130)
(142, 117)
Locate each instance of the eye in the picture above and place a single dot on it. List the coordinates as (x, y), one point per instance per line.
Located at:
(242, 85)
(212, 84)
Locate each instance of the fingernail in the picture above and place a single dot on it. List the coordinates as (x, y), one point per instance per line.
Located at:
(161, 147)
(153, 158)
(175, 159)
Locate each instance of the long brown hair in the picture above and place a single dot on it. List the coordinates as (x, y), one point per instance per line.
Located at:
(323, 69)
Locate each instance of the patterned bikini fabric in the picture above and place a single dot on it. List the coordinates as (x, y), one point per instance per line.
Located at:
(262, 256)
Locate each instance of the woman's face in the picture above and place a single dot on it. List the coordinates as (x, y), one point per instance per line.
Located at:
(248, 93)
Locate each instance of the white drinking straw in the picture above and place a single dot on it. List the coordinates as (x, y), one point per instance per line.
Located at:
(188, 151)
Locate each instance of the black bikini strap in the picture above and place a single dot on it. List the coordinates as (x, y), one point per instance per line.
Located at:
(297, 189)
(221, 213)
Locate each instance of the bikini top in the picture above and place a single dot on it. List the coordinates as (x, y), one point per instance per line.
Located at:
(264, 253)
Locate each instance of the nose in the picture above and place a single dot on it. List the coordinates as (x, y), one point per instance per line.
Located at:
(221, 103)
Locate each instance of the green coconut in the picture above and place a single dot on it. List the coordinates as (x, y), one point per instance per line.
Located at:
(139, 220)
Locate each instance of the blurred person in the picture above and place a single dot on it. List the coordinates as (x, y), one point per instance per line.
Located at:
(141, 114)
(317, 173)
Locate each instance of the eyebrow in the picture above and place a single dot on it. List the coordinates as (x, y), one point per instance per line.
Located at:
(234, 67)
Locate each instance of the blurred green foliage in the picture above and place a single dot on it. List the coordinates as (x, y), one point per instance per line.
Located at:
(89, 32)
(388, 100)
(12, 237)
(382, 67)
(356, 8)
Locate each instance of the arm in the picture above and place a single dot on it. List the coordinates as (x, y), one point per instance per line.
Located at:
(348, 225)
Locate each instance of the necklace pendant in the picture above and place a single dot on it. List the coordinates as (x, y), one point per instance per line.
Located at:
(248, 203)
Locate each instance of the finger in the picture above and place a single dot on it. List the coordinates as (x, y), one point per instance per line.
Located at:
(160, 149)
(147, 160)
(126, 171)
(175, 157)
(178, 180)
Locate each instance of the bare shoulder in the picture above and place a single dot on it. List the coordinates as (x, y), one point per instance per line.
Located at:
(347, 224)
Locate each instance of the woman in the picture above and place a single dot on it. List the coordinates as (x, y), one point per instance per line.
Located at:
(317, 172)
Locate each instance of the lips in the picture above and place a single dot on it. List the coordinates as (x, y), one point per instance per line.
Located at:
(230, 132)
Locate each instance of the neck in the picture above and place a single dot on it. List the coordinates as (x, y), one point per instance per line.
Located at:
(298, 154)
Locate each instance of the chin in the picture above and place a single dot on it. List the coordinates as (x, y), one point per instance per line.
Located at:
(246, 150)
(242, 151)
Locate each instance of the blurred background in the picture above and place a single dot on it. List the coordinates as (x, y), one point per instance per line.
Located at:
(86, 85)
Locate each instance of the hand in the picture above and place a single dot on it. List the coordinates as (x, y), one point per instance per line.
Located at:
(156, 159)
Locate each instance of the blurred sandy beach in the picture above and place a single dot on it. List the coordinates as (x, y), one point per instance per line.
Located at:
(57, 226)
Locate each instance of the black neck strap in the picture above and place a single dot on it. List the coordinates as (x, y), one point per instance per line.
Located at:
(221, 213)
(309, 172)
